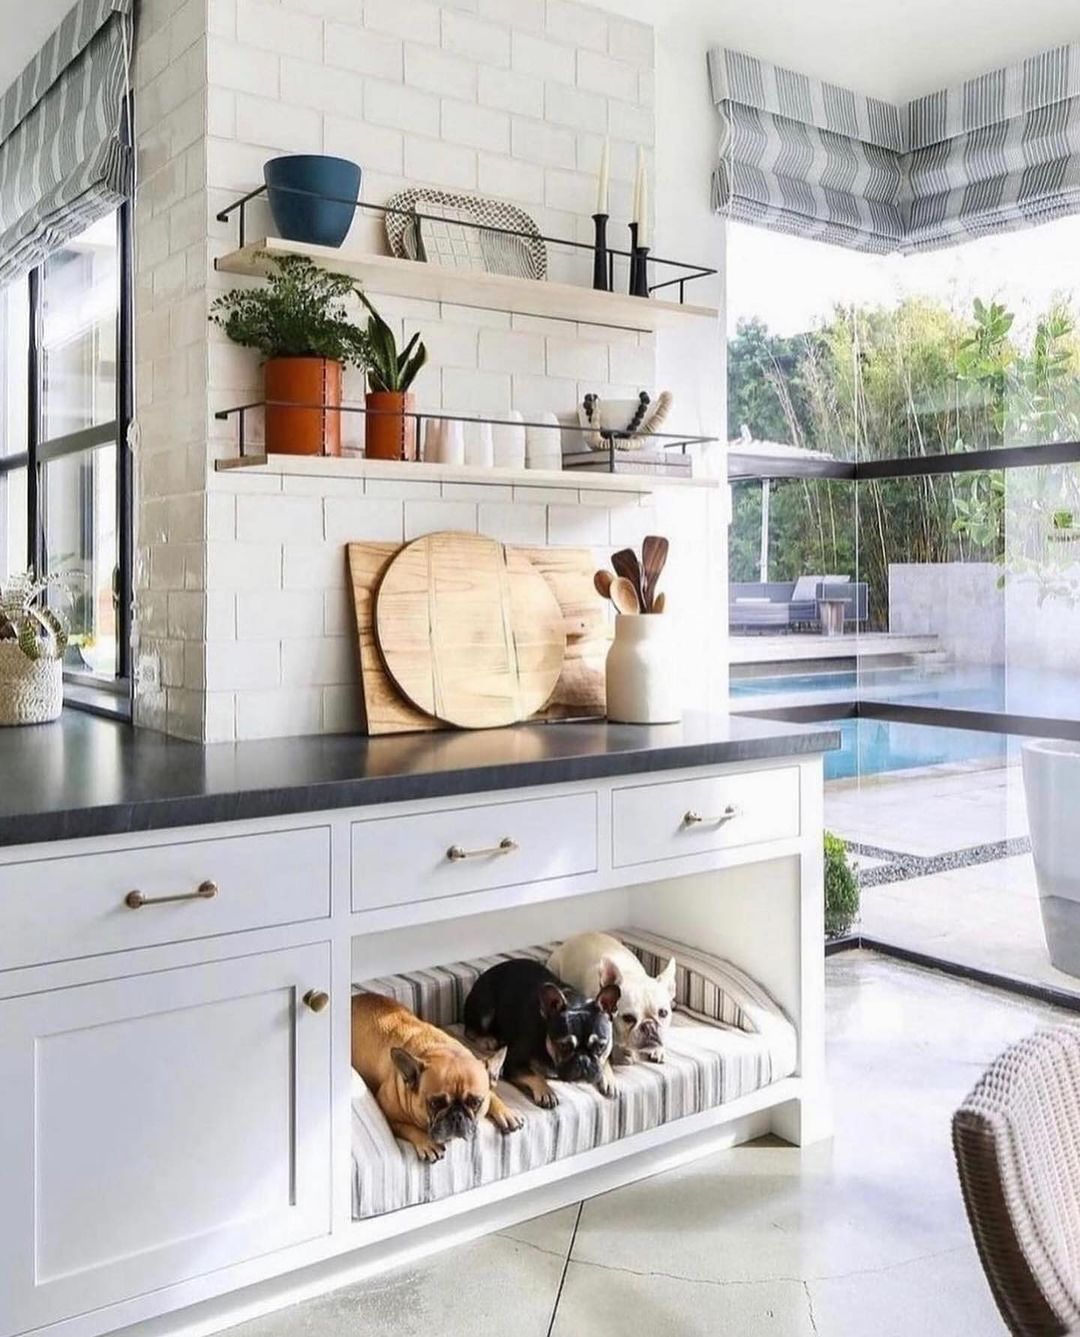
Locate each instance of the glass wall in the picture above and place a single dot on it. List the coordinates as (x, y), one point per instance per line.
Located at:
(962, 632)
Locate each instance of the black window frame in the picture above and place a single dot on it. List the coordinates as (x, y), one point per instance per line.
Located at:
(95, 692)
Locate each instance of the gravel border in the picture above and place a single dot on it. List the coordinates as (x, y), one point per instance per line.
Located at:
(901, 867)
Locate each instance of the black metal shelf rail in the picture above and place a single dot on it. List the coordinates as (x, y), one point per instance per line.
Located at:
(666, 440)
(689, 274)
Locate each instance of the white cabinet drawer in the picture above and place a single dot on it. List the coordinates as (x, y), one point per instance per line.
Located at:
(78, 905)
(681, 817)
(158, 1128)
(399, 860)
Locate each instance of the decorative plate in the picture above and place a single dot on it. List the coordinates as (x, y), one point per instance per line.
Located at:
(444, 236)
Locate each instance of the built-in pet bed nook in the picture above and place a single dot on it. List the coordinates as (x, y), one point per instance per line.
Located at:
(727, 1039)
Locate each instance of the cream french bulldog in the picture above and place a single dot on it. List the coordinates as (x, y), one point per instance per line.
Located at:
(589, 961)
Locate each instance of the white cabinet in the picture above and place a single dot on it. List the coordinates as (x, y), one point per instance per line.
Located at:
(159, 1127)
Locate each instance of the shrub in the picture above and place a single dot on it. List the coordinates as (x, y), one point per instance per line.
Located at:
(841, 888)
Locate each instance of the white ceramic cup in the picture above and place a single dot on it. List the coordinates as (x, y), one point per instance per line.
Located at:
(543, 445)
(434, 432)
(479, 445)
(443, 442)
(508, 442)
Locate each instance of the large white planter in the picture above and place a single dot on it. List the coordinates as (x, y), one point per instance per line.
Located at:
(642, 686)
(31, 690)
(1052, 791)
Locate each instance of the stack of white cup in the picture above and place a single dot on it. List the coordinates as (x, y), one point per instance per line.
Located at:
(508, 442)
(543, 445)
(444, 442)
(479, 446)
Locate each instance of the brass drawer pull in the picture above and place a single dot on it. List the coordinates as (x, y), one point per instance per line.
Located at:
(693, 818)
(505, 846)
(317, 1000)
(205, 891)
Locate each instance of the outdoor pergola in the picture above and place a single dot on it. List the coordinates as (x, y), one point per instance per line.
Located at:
(764, 461)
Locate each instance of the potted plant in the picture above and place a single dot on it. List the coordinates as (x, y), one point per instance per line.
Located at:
(299, 323)
(32, 642)
(389, 425)
(841, 888)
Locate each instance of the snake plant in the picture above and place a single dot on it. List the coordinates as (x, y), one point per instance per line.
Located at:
(387, 369)
(39, 631)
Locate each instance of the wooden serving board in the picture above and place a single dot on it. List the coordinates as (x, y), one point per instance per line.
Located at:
(579, 692)
(469, 630)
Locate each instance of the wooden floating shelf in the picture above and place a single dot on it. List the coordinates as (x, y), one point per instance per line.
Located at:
(399, 471)
(470, 287)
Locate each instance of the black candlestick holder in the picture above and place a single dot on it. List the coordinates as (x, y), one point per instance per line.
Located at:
(640, 272)
(633, 259)
(600, 279)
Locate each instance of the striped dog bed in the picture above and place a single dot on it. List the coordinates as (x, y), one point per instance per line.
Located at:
(727, 1038)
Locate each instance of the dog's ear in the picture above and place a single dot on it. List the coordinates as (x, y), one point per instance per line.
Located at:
(552, 1000)
(409, 1066)
(494, 1064)
(667, 977)
(609, 972)
(608, 998)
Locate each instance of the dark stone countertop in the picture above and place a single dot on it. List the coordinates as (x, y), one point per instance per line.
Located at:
(87, 776)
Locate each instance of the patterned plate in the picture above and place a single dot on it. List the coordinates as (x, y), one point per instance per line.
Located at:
(444, 237)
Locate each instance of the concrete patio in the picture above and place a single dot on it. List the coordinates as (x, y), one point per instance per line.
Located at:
(946, 867)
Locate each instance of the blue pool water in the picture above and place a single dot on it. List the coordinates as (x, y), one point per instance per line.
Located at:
(871, 746)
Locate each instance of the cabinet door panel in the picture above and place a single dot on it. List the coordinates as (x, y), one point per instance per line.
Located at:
(159, 1127)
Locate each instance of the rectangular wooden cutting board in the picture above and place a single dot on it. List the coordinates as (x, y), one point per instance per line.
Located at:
(579, 692)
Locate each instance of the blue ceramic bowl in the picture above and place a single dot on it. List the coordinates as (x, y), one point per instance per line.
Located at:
(322, 221)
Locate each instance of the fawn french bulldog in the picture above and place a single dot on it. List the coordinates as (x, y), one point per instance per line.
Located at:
(428, 1085)
(590, 960)
(548, 1028)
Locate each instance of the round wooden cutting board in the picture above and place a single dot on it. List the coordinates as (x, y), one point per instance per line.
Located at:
(469, 630)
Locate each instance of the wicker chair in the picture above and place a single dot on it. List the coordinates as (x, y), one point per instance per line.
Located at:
(1017, 1145)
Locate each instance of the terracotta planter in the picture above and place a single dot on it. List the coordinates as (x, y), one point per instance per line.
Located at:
(315, 383)
(388, 433)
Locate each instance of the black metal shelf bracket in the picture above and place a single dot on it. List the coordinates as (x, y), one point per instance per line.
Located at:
(687, 275)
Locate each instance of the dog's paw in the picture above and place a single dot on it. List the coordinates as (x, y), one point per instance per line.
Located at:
(505, 1119)
(622, 1057)
(430, 1151)
(483, 1044)
(651, 1055)
(606, 1087)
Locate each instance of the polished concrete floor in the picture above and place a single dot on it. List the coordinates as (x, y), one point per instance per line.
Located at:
(862, 1237)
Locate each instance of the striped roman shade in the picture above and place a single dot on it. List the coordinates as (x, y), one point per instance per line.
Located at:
(805, 157)
(63, 161)
(997, 152)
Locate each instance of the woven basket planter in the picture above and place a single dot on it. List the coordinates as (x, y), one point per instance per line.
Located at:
(31, 690)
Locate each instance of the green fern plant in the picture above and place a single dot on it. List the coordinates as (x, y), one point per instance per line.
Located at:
(387, 369)
(301, 312)
(38, 630)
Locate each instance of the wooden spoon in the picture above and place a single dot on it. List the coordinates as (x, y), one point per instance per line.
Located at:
(659, 603)
(624, 596)
(602, 583)
(654, 553)
(627, 565)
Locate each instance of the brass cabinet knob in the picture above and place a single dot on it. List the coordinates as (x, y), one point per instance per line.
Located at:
(317, 1000)
(205, 891)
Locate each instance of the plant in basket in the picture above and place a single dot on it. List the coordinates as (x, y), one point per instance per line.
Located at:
(299, 322)
(32, 642)
(390, 427)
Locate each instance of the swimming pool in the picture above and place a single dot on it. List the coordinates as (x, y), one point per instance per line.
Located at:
(872, 746)
(869, 747)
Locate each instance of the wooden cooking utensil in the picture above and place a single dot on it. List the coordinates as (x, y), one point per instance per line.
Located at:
(624, 596)
(602, 583)
(659, 603)
(469, 630)
(627, 565)
(654, 553)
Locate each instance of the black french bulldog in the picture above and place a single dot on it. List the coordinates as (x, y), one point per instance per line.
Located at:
(549, 1029)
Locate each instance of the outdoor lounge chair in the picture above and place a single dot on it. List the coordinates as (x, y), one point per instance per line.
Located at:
(1017, 1144)
(792, 604)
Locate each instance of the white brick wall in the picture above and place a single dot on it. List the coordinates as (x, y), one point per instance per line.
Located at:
(243, 605)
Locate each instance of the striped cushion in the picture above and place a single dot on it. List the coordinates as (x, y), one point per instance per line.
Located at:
(728, 1038)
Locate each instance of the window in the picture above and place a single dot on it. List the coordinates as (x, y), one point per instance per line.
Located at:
(907, 444)
(65, 374)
